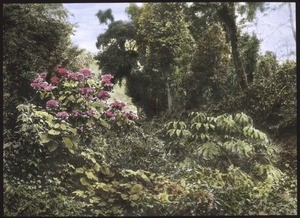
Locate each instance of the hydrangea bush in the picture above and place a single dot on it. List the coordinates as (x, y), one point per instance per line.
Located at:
(74, 106)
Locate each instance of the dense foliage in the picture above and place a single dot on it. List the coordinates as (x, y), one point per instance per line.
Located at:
(211, 114)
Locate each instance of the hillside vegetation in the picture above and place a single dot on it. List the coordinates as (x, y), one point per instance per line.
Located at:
(177, 115)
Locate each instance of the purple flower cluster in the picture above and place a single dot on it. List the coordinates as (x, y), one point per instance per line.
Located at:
(106, 79)
(103, 95)
(86, 72)
(40, 82)
(130, 116)
(77, 76)
(109, 114)
(55, 80)
(52, 103)
(62, 115)
(78, 113)
(43, 75)
(63, 72)
(87, 92)
(117, 105)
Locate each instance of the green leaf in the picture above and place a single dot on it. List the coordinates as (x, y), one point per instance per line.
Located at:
(178, 131)
(137, 188)
(63, 126)
(171, 132)
(84, 181)
(124, 197)
(79, 170)
(91, 175)
(186, 132)
(68, 143)
(53, 132)
(90, 82)
(97, 167)
(182, 124)
(72, 130)
(79, 193)
(134, 197)
(56, 125)
(52, 146)
(164, 197)
(79, 100)
(61, 98)
(175, 124)
(105, 124)
(45, 138)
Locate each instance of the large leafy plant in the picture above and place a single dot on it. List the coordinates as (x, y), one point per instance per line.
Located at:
(70, 108)
(220, 141)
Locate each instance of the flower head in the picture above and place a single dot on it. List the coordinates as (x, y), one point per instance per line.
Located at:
(35, 85)
(52, 103)
(49, 87)
(109, 114)
(44, 84)
(38, 80)
(54, 80)
(86, 91)
(62, 115)
(103, 95)
(117, 105)
(86, 72)
(43, 75)
(106, 78)
(64, 72)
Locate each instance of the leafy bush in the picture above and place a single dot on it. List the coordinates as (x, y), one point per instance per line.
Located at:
(272, 112)
(233, 160)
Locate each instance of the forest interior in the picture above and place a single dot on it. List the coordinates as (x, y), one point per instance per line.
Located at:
(177, 114)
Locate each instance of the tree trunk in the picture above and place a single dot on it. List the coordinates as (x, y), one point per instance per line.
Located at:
(166, 74)
(168, 90)
(226, 13)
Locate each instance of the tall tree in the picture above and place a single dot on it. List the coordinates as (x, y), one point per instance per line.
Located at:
(118, 51)
(226, 13)
(162, 37)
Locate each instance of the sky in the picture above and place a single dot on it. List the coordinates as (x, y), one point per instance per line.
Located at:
(271, 27)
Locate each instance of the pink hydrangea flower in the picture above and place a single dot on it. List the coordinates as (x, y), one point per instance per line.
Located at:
(49, 87)
(73, 76)
(52, 103)
(43, 75)
(103, 95)
(86, 72)
(109, 85)
(38, 80)
(106, 78)
(77, 76)
(54, 80)
(117, 105)
(64, 72)
(44, 84)
(132, 116)
(35, 85)
(86, 90)
(109, 114)
(62, 115)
